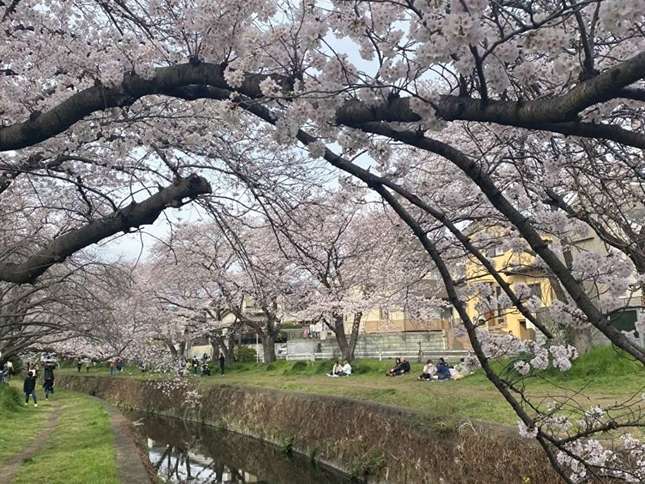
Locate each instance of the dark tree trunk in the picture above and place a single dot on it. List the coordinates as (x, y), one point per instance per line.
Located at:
(230, 357)
(353, 338)
(171, 347)
(346, 347)
(182, 350)
(268, 346)
(218, 344)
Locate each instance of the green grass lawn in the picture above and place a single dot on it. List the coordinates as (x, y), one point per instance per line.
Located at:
(19, 425)
(78, 450)
(605, 375)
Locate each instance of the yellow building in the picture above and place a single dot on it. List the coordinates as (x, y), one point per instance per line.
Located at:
(514, 268)
(520, 267)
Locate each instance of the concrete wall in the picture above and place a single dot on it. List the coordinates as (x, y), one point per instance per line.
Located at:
(384, 345)
(385, 444)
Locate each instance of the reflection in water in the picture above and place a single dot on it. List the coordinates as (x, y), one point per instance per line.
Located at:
(184, 452)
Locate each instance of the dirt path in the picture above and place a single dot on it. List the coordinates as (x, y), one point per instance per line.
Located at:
(9, 470)
(130, 467)
(128, 459)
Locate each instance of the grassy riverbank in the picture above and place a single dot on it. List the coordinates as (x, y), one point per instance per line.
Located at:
(67, 439)
(604, 375)
(19, 425)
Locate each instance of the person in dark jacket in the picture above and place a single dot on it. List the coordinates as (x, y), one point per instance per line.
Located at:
(401, 367)
(29, 387)
(443, 370)
(395, 369)
(222, 360)
(48, 386)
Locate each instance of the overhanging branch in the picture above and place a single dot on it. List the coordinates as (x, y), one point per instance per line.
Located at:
(557, 113)
(132, 216)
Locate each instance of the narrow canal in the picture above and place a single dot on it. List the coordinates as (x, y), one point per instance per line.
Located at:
(184, 452)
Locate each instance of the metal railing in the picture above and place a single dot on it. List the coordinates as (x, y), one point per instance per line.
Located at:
(378, 355)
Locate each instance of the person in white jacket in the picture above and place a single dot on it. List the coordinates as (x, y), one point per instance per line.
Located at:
(429, 371)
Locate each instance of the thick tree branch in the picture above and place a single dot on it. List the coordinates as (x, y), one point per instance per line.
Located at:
(454, 108)
(42, 126)
(557, 113)
(134, 215)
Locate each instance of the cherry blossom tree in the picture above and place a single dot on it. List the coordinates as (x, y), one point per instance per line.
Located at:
(353, 259)
(534, 107)
(218, 269)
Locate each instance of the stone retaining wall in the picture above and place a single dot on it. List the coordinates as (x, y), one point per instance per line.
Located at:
(361, 438)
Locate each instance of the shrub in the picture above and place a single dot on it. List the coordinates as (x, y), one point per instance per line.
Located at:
(10, 400)
(296, 368)
(322, 367)
(245, 354)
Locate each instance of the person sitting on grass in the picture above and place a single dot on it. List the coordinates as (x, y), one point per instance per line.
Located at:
(29, 387)
(395, 369)
(465, 367)
(336, 370)
(429, 371)
(346, 369)
(443, 370)
(401, 367)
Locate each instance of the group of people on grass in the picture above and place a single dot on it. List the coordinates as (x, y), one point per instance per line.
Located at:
(341, 369)
(116, 366)
(29, 384)
(84, 362)
(441, 371)
(198, 366)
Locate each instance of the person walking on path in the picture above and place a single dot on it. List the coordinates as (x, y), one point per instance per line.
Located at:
(112, 367)
(79, 364)
(48, 386)
(29, 387)
(222, 360)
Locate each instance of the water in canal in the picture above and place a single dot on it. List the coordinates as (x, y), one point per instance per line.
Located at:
(184, 452)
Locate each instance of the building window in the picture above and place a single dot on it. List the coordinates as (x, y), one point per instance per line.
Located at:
(494, 251)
